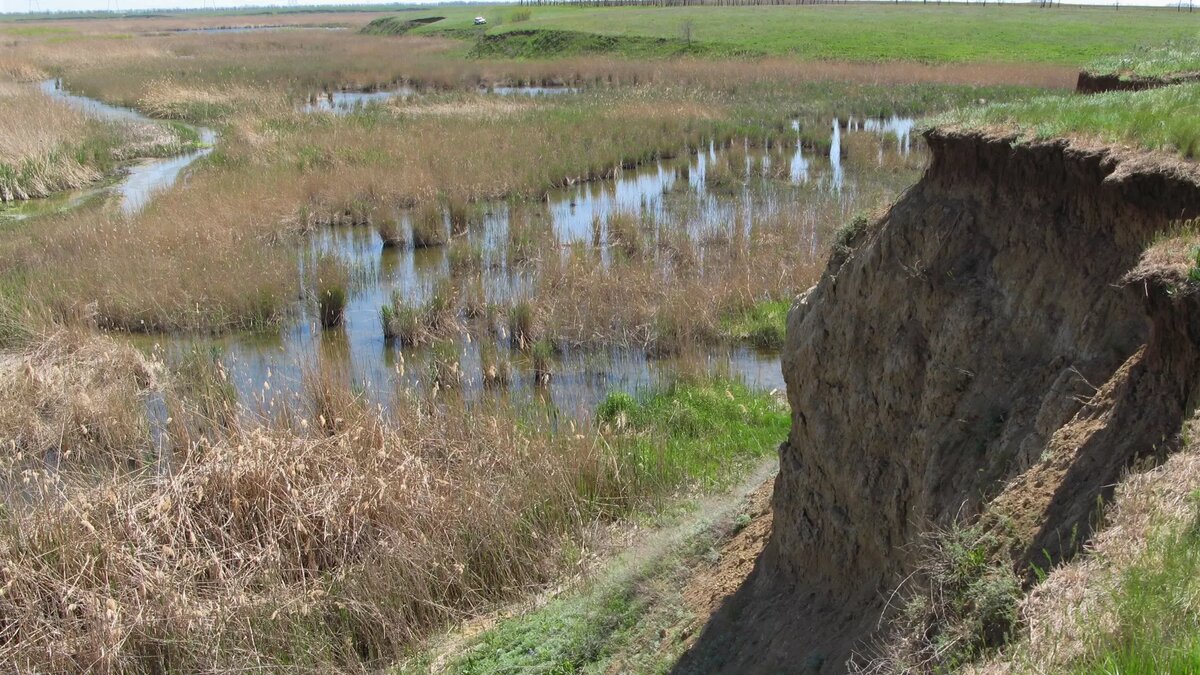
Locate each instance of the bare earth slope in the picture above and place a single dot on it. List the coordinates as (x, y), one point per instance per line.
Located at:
(979, 349)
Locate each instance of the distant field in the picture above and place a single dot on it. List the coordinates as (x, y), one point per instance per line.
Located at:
(857, 32)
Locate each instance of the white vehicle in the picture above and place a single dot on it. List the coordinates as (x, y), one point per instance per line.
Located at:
(479, 21)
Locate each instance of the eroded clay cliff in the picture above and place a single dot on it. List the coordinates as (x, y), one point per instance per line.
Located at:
(980, 349)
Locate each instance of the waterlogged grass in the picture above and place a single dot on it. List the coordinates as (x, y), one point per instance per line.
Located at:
(762, 325)
(1157, 119)
(1172, 58)
(693, 432)
(864, 32)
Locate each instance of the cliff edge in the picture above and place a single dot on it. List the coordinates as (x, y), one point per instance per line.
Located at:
(982, 352)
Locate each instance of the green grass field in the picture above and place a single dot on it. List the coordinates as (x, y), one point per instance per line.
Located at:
(857, 32)
(1172, 58)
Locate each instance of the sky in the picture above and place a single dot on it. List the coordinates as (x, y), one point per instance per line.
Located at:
(11, 6)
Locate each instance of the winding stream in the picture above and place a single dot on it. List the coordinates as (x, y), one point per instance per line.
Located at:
(139, 181)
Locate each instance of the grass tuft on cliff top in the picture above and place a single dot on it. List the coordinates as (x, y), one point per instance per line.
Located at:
(1158, 119)
(1172, 58)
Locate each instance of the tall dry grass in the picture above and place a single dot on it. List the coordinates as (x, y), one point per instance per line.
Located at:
(76, 399)
(38, 137)
(213, 257)
(333, 537)
(219, 253)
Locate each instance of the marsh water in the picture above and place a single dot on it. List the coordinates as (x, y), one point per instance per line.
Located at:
(343, 102)
(268, 370)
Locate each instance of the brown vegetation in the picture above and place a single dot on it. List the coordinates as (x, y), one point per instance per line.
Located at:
(334, 537)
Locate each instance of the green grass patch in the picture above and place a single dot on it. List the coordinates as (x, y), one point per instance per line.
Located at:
(762, 325)
(1157, 119)
(685, 432)
(867, 31)
(38, 31)
(1156, 607)
(564, 637)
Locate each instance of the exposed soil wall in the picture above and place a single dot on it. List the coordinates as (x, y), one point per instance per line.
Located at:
(1097, 83)
(978, 350)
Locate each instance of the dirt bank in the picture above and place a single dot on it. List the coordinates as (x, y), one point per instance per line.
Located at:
(979, 349)
(1098, 83)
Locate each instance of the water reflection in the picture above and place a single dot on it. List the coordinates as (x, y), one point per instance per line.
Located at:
(673, 191)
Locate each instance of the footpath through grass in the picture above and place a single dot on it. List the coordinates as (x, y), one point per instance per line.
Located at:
(631, 617)
(687, 432)
(951, 33)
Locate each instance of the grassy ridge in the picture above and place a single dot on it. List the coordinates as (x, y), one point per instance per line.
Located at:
(1173, 58)
(530, 44)
(864, 32)
(394, 25)
(1159, 119)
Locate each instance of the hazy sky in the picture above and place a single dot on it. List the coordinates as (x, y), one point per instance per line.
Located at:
(7, 6)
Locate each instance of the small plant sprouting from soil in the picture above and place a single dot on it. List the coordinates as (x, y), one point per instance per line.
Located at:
(962, 605)
(848, 235)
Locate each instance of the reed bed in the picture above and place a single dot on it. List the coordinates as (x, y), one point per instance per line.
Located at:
(220, 254)
(667, 285)
(333, 536)
(46, 146)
